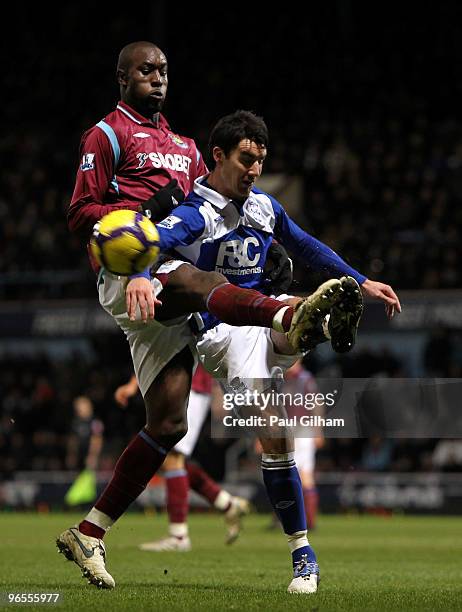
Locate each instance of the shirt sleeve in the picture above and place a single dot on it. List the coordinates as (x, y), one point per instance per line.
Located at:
(179, 229)
(93, 183)
(182, 228)
(312, 251)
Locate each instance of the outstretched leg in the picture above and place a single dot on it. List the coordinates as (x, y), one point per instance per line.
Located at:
(189, 289)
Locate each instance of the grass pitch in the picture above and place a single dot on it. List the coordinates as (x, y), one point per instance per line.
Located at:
(367, 563)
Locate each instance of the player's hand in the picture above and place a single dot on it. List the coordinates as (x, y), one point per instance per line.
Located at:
(380, 291)
(122, 394)
(163, 202)
(280, 276)
(139, 292)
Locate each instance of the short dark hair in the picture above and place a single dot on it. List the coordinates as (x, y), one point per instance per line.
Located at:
(231, 129)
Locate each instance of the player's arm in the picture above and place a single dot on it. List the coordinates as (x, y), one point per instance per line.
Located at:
(321, 257)
(182, 228)
(310, 250)
(161, 204)
(385, 293)
(139, 293)
(124, 392)
(95, 175)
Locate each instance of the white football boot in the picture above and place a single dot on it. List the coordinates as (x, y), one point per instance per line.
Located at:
(169, 544)
(89, 554)
(306, 577)
(233, 518)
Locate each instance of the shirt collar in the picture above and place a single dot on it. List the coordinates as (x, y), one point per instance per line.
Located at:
(132, 114)
(210, 194)
(202, 188)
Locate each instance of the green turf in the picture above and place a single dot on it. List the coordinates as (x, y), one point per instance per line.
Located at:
(367, 563)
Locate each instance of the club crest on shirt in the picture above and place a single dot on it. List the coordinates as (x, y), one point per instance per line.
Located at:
(177, 140)
(255, 211)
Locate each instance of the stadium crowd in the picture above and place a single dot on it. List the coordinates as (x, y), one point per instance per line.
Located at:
(380, 153)
(37, 415)
(377, 138)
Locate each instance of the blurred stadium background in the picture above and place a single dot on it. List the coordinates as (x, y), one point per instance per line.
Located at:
(364, 110)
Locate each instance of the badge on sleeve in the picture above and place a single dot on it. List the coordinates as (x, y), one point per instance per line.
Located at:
(87, 162)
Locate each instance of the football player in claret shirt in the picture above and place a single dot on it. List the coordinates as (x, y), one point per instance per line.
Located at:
(131, 159)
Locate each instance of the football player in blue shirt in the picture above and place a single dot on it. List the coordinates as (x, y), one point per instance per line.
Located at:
(227, 224)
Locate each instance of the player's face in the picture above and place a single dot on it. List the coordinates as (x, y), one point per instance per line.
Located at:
(241, 168)
(146, 81)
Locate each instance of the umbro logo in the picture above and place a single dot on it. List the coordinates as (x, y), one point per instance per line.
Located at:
(282, 505)
(141, 135)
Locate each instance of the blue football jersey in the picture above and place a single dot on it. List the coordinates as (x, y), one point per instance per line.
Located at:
(213, 232)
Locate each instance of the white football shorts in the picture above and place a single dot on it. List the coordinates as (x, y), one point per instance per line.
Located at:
(246, 353)
(152, 344)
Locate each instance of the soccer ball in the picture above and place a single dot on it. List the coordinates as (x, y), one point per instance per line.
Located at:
(125, 242)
